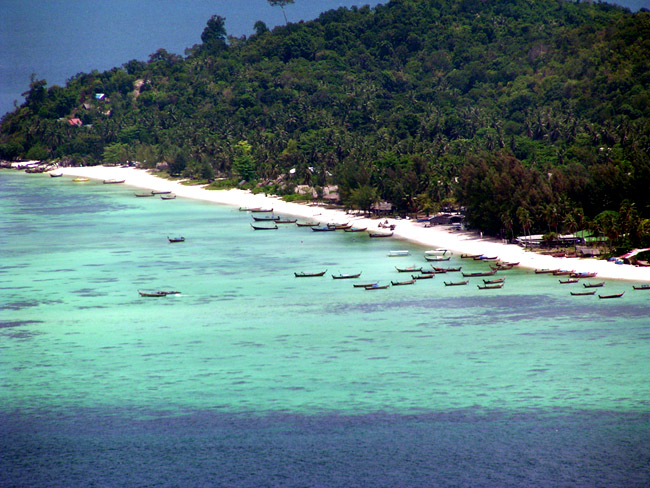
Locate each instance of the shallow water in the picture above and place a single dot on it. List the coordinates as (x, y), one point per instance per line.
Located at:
(313, 382)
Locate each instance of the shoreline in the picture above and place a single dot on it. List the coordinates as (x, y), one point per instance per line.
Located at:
(458, 242)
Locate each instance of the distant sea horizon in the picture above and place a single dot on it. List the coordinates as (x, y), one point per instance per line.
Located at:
(58, 39)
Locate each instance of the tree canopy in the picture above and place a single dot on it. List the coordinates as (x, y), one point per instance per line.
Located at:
(497, 105)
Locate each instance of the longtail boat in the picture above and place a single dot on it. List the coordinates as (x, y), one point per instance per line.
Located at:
(490, 287)
(399, 283)
(263, 227)
(456, 283)
(302, 274)
(583, 293)
(346, 276)
(615, 295)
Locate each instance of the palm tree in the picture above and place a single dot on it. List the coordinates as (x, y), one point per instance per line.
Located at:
(281, 3)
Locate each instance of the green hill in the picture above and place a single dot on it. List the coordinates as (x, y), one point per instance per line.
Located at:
(533, 115)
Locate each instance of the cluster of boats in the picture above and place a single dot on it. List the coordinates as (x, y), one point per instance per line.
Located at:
(271, 222)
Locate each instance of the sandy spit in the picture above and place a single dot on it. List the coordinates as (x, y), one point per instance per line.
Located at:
(428, 238)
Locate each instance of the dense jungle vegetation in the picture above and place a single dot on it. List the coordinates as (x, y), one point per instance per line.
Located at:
(533, 115)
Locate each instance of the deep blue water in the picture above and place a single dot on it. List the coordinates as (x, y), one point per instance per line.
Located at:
(445, 449)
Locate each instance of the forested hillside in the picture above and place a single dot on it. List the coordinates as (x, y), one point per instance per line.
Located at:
(534, 115)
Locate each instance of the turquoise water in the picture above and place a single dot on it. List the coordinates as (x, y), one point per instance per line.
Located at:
(245, 337)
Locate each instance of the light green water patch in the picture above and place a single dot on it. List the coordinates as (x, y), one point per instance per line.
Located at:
(246, 335)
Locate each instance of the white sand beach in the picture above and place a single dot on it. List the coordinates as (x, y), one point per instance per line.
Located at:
(428, 237)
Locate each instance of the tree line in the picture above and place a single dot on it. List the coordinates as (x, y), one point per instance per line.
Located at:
(533, 116)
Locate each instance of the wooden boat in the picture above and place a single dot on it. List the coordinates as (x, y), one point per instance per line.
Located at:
(494, 281)
(447, 270)
(427, 276)
(307, 224)
(409, 269)
(376, 287)
(302, 274)
(615, 295)
(437, 258)
(641, 287)
(158, 293)
(340, 226)
(479, 273)
(250, 209)
(380, 234)
(346, 276)
(470, 256)
(400, 283)
(593, 285)
(80, 179)
(456, 283)
(267, 218)
(144, 195)
(112, 182)
(504, 263)
(561, 272)
(568, 281)
(395, 254)
(56, 175)
(285, 221)
(583, 293)
(435, 252)
(364, 285)
(355, 229)
(261, 210)
(167, 197)
(263, 227)
(486, 258)
(490, 287)
(582, 275)
(546, 271)
(323, 229)
(161, 192)
(176, 239)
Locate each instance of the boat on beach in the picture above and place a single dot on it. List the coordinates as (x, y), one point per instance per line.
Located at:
(171, 196)
(261, 210)
(80, 179)
(582, 274)
(380, 234)
(56, 175)
(250, 209)
(161, 192)
(112, 181)
(355, 229)
(470, 256)
(303, 274)
(144, 195)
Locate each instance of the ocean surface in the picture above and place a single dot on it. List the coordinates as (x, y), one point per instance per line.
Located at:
(251, 377)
